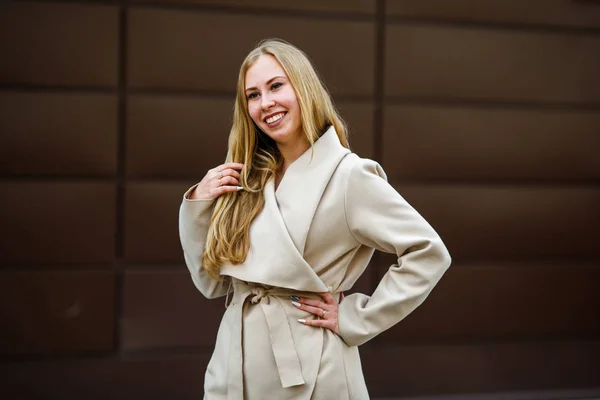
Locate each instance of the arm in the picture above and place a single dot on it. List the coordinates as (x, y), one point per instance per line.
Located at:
(194, 219)
(379, 217)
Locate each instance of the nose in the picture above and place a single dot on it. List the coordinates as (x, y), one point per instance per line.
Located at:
(267, 102)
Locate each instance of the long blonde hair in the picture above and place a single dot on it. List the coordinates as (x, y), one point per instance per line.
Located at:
(228, 237)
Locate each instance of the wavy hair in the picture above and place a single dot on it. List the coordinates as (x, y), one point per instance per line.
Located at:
(228, 239)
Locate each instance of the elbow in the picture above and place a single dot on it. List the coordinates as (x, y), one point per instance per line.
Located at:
(213, 294)
(442, 253)
(440, 260)
(210, 288)
(446, 259)
(435, 258)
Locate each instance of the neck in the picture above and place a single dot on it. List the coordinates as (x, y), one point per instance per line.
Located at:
(291, 152)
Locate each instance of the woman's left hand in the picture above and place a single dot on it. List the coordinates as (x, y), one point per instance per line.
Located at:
(326, 311)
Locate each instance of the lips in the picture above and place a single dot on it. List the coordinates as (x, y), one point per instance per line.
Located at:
(274, 118)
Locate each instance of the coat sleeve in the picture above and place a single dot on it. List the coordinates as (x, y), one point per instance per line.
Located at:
(380, 218)
(194, 219)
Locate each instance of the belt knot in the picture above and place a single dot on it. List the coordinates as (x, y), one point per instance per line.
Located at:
(258, 293)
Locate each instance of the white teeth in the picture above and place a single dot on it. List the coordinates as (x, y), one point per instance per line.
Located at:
(274, 118)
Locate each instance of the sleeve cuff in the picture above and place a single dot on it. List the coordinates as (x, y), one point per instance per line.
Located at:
(352, 327)
(188, 193)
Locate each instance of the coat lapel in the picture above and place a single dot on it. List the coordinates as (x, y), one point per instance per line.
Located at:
(273, 259)
(278, 233)
(303, 185)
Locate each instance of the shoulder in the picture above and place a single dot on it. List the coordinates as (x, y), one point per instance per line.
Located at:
(356, 169)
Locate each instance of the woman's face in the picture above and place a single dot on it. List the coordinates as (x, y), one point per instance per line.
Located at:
(272, 102)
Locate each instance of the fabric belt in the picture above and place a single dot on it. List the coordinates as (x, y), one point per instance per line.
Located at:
(280, 335)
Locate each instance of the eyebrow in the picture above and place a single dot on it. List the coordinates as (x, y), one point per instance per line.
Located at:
(269, 81)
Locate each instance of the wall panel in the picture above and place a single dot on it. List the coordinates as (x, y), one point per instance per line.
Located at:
(359, 118)
(166, 376)
(58, 44)
(49, 133)
(176, 136)
(485, 222)
(491, 144)
(484, 64)
(354, 6)
(161, 55)
(151, 221)
(57, 222)
(545, 12)
(431, 369)
(57, 312)
(510, 301)
(164, 309)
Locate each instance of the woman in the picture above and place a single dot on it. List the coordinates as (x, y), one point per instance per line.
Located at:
(288, 224)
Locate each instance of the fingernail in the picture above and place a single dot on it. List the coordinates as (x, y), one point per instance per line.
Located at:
(296, 303)
(302, 321)
(295, 298)
(240, 188)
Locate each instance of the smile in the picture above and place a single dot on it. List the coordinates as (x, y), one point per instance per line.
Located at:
(274, 118)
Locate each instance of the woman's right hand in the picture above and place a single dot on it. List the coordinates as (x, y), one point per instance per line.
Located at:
(219, 180)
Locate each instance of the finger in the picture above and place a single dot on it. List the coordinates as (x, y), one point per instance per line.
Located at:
(313, 310)
(231, 172)
(223, 167)
(226, 189)
(323, 323)
(327, 297)
(227, 180)
(314, 303)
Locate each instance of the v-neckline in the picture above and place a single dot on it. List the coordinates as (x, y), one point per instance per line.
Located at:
(291, 166)
(277, 186)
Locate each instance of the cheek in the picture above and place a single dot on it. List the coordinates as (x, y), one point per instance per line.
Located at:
(254, 113)
(291, 100)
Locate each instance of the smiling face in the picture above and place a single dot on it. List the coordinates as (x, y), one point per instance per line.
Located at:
(272, 102)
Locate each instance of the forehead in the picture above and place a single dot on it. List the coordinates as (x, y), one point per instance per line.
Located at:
(265, 68)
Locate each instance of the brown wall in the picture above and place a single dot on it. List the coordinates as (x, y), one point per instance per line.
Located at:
(486, 116)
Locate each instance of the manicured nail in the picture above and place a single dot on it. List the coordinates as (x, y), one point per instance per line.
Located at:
(295, 298)
(303, 321)
(240, 188)
(296, 303)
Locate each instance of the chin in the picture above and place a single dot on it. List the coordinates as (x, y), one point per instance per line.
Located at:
(280, 137)
(276, 134)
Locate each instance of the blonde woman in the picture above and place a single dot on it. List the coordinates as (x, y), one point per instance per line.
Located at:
(285, 226)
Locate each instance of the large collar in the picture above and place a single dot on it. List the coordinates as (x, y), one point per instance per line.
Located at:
(303, 185)
(278, 233)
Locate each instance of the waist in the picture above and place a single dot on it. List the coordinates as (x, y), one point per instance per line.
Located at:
(256, 292)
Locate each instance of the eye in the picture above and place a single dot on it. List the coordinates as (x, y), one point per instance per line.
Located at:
(276, 85)
(253, 95)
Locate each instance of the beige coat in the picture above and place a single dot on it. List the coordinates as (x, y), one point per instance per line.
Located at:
(316, 233)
